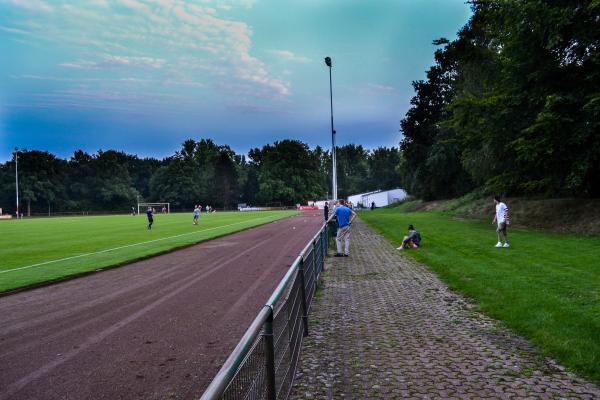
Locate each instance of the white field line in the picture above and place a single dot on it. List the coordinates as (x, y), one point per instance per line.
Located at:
(128, 245)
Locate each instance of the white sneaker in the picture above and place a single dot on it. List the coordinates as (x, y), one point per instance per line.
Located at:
(506, 245)
(499, 244)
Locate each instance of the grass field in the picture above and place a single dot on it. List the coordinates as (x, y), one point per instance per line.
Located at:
(546, 287)
(45, 249)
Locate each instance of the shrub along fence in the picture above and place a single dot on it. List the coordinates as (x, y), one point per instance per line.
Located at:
(263, 364)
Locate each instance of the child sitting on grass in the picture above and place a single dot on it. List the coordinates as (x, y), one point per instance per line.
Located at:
(411, 241)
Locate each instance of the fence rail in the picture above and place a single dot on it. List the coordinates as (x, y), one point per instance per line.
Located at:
(263, 364)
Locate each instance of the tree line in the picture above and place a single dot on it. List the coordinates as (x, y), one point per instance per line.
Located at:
(286, 172)
(511, 106)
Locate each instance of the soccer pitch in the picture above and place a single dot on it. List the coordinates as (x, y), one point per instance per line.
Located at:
(38, 250)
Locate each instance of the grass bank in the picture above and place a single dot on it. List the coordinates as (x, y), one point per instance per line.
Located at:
(546, 287)
(39, 250)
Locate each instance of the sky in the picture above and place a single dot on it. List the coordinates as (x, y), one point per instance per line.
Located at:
(143, 76)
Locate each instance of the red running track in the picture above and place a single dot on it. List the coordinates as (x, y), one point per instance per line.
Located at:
(155, 329)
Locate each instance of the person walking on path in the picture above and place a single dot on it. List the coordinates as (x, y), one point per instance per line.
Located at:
(150, 215)
(372, 206)
(326, 211)
(196, 214)
(344, 216)
(501, 218)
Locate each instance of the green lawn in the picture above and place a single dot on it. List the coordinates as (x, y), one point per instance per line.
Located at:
(74, 245)
(546, 287)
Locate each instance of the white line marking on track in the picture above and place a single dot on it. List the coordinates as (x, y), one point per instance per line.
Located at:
(126, 246)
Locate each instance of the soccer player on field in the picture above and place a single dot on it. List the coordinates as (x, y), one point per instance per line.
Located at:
(196, 214)
(150, 215)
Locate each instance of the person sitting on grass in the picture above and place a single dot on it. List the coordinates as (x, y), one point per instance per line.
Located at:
(412, 241)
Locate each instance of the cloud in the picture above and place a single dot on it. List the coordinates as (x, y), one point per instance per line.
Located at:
(183, 41)
(13, 30)
(82, 64)
(134, 61)
(33, 5)
(290, 56)
(381, 88)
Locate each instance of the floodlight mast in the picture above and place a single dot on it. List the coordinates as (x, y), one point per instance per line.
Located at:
(17, 178)
(333, 157)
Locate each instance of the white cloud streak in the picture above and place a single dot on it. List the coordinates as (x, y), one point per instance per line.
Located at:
(290, 56)
(33, 5)
(179, 43)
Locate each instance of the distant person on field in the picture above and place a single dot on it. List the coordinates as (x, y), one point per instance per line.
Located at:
(372, 206)
(326, 211)
(207, 208)
(501, 218)
(150, 215)
(132, 210)
(412, 241)
(196, 214)
(344, 216)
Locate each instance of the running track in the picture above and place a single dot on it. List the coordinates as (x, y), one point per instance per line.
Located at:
(155, 329)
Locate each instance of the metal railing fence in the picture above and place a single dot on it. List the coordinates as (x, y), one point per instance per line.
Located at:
(263, 364)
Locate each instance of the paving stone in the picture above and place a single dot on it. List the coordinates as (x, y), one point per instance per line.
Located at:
(390, 329)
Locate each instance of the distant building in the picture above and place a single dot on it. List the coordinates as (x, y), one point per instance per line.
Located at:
(380, 197)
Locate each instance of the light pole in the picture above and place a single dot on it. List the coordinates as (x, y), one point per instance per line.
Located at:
(17, 178)
(333, 159)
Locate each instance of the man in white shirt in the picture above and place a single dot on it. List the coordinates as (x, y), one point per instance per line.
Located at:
(501, 218)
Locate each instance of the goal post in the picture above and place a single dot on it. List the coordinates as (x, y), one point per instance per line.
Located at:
(161, 205)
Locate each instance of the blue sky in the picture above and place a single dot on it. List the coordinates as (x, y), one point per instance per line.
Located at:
(143, 76)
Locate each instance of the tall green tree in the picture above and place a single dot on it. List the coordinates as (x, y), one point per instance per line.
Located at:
(352, 169)
(382, 168)
(515, 100)
(289, 173)
(41, 177)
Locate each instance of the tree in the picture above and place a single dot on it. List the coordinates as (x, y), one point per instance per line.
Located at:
(382, 167)
(41, 177)
(352, 169)
(288, 173)
(511, 105)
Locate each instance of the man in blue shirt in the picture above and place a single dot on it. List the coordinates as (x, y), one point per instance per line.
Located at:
(344, 216)
(150, 215)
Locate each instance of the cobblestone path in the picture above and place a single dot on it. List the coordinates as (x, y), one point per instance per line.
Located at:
(385, 327)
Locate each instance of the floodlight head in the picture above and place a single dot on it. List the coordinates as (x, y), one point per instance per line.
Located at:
(328, 61)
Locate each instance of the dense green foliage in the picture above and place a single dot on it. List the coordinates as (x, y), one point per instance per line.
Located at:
(283, 173)
(544, 287)
(512, 105)
(44, 249)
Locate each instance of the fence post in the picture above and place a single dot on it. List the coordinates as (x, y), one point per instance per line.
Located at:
(314, 260)
(303, 293)
(324, 245)
(270, 357)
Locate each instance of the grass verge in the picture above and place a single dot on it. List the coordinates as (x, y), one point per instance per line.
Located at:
(546, 287)
(34, 251)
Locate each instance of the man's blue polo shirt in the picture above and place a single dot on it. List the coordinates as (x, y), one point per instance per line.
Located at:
(343, 214)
